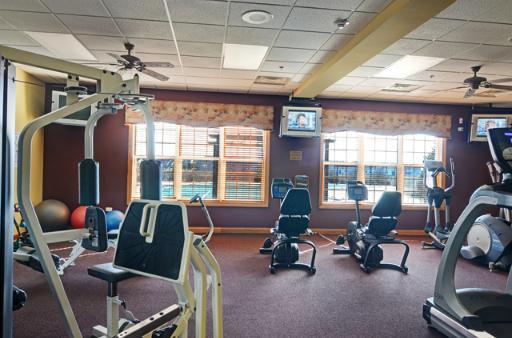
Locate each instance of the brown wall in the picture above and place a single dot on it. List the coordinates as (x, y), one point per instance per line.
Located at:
(64, 148)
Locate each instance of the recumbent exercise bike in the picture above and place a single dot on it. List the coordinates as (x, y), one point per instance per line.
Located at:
(364, 240)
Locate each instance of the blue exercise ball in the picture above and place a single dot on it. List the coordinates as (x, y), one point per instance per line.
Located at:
(114, 219)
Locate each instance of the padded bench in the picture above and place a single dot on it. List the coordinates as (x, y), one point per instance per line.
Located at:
(109, 274)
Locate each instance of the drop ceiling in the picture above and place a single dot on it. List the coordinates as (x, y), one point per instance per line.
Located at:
(300, 37)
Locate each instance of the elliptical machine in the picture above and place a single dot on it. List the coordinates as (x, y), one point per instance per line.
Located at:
(489, 241)
(436, 196)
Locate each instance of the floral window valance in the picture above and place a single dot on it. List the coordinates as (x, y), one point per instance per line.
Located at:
(386, 123)
(200, 114)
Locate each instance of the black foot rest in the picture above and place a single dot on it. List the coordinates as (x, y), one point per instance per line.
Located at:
(108, 273)
(113, 234)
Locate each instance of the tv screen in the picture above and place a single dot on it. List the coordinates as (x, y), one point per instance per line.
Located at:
(302, 120)
(484, 123)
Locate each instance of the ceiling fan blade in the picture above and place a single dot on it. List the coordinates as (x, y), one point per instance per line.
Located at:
(457, 88)
(156, 75)
(470, 92)
(117, 57)
(493, 86)
(158, 64)
(503, 80)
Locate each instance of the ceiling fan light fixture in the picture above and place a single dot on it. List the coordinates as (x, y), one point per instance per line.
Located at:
(257, 17)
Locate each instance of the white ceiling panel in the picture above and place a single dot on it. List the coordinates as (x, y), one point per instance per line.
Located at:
(198, 33)
(438, 76)
(23, 5)
(5, 25)
(382, 60)
(501, 13)
(350, 81)
(290, 54)
(434, 29)
(90, 25)
(321, 56)
(444, 49)
(338, 88)
(251, 36)
(200, 49)
(485, 53)
(405, 46)
(316, 20)
(136, 9)
(200, 62)
(201, 72)
(238, 9)
(373, 5)
(466, 9)
(145, 29)
(480, 32)
(78, 7)
(349, 5)
(455, 65)
(238, 74)
(364, 90)
(497, 68)
(281, 67)
(110, 43)
(16, 38)
(296, 39)
(198, 11)
(274, 2)
(280, 74)
(377, 82)
(364, 71)
(218, 81)
(358, 20)
(336, 41)
(308, 68)
(30, 21)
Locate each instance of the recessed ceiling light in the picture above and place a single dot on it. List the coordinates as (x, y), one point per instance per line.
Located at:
(243, 56)
(341, 23)
(64, 46)
(257, 17)
(408, 65)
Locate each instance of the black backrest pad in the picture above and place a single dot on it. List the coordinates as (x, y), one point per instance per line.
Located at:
(163, 256)
(150, 180)
(388, 205)
(88, 182)
(296, 202)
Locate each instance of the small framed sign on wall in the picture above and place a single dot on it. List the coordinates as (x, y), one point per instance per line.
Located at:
(481, 122)
(295, 155)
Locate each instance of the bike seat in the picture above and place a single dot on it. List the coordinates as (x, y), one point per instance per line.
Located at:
(108, 273)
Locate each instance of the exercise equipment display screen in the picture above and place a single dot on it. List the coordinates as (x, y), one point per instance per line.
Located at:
(483, 124)
(302, 120)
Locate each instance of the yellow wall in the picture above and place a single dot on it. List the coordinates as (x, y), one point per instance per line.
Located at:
(29, 105)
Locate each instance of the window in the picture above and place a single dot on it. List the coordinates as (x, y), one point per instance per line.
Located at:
(384, 163)
(227, 164)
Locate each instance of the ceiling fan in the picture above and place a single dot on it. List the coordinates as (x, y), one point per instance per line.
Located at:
(129, 61)
(476, 82)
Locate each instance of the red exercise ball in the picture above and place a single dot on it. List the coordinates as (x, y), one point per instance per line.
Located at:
(78, 217)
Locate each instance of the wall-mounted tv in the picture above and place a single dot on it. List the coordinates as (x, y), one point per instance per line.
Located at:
(301, 121)
(76, 119)
(481, 122)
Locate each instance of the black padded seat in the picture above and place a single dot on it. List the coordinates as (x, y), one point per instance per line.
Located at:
(108, 273)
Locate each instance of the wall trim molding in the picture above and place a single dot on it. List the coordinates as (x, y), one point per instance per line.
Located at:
(323, 231)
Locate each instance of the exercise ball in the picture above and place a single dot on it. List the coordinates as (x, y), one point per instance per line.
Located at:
(53, 215)
(114, 219)
(78, 217)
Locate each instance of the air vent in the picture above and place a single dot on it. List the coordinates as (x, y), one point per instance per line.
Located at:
(401, 87)
(271, 80)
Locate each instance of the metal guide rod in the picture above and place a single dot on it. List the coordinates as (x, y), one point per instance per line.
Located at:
(150, 129)
(89, 130)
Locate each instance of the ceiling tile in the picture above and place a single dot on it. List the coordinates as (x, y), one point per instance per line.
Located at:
(350, 81)
(430, 75)
(145, 29)
(109, 43)
(218, 81)
(23, 5)
(16, 38)
(79, 7)
(444, 49)
(405, 46)
(290, 54)
(373, 5)
(364, 71)
(501, 13)
(358, 21)
(298, 77)
(281, 67)
(201, 62)
(30, 21)
(350, 5)
(173, 73)
(136, 9)
(307, 40)
(251, 36)
(5, 25)
(497, 68)
(308, 68)
(338, 88)
(201, 72)
(238, 74)
(363, 90)
(377, 82)
(198, 33)
(198, 11)
(455, 65)
(321, 56)
(301, 19)
(200, 49)
(336, 41)
(434, 29)
(278, 74)
(274, 2)
(382, 60)
(480, 32)
(90, 25)
(238, 9)
(465, 9)
(485, 53)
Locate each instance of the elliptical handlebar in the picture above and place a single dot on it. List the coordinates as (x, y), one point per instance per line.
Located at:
(198, 198)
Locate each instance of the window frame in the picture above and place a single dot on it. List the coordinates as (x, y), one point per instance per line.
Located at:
(219, 201)
(360, 164)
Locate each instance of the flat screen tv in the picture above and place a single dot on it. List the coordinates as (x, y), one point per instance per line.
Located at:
(301, 121)
(76, 119)
(480, 123)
